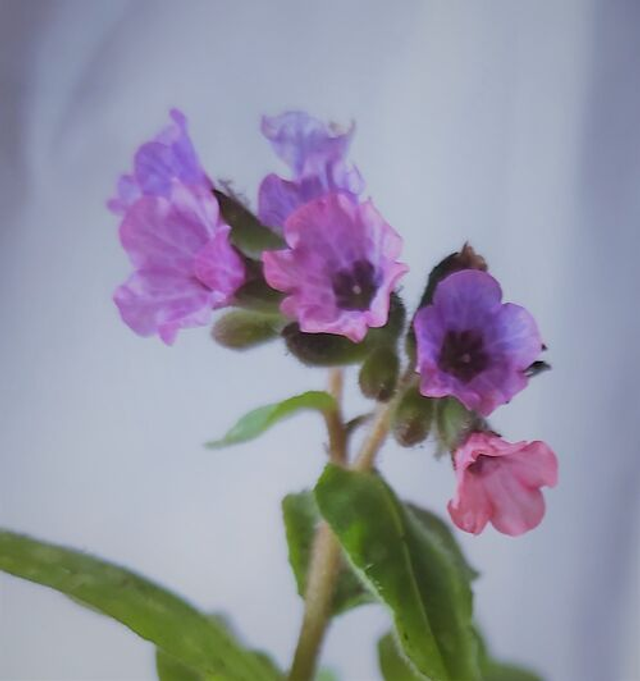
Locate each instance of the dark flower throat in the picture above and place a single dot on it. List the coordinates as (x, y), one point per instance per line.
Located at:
(354, 289)
(463, 354)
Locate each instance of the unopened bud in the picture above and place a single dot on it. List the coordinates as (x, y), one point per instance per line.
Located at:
(258, 296)
(465, 259)
(248, 234)
(454, 422)
(241, 329)
(412, 418)
(322, 349)
(379, 374)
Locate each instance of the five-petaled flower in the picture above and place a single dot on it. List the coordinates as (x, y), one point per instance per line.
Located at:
(176, 240)
(316, 154)
(340, 268)
(499, 482)
(473, 346)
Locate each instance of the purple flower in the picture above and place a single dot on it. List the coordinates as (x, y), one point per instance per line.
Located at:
(471, 345)
(184, 264)
(316, 155)
(340, 267)
(168, 158)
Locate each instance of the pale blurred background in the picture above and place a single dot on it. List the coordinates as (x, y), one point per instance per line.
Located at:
(513, 124)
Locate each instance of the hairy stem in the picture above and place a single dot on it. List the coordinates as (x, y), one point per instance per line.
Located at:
(325, 555)
(318, 600)
(335, 423)
(325, 564)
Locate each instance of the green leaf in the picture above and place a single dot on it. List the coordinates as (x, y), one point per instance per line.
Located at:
(497, 671)
(441, 532)
(393, 665)
(301, 517)
(173, 625)
(170, 669)
(255, 423)
(408, 568)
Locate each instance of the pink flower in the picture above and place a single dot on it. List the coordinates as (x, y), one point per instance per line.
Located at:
(184, 264)
(316, 154)
(472, 345)
(499, 482)
(168, 158)
(340, 268)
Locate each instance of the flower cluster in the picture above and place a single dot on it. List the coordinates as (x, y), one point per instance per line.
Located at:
(334, 271)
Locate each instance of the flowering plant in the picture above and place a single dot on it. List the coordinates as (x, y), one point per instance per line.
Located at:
(318, 268)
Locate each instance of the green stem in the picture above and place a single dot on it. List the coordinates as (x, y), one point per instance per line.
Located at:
(326, 555)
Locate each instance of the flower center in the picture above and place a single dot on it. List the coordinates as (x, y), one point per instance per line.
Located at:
(483, 464)
(462, 354)
(354, 288)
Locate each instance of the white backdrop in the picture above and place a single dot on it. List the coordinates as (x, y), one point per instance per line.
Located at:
(512, 124)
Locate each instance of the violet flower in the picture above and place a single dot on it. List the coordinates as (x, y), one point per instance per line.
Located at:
(316, 155)
(169, 157)
(175, 238)
(471, 345)
(499, 482)
(340, 268)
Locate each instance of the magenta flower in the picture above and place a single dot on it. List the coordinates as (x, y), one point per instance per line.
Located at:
(184, 264)
(340, 267)
(471, 345)
(168, 158)
(499, 482)
(316, 155)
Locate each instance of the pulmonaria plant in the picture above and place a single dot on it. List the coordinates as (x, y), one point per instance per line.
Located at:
(318, 267)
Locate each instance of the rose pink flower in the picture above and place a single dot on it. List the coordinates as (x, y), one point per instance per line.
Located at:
(184, 264)
(168, 158)
(340, 268)
(316, 155)
(499, 482)
(473, 346)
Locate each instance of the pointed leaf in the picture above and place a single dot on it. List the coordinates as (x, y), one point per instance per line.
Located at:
(393, 665)
(173, 625)
(255, 423)
(409, 570)
(301, 518)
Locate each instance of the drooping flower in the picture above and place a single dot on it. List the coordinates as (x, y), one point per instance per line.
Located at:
(473, 346)
(184, 264)
(499, 482)
(316, 154)
(340, 268)
(168, 158)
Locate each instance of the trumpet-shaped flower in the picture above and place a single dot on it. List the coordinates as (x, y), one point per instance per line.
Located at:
(316, 154)
(473, 346)
(499, 482)
(340, 268)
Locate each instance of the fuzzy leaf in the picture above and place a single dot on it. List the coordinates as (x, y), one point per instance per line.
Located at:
(185, 634)
(256, 422)
(301, 517)
(408, 568)
(393, 665)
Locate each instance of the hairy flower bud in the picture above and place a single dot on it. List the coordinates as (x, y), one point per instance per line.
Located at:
(379, 374)
(323, 349)
(248, 234)
(453, 421)
(412, 418)
(242, 329)
(465, 259)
